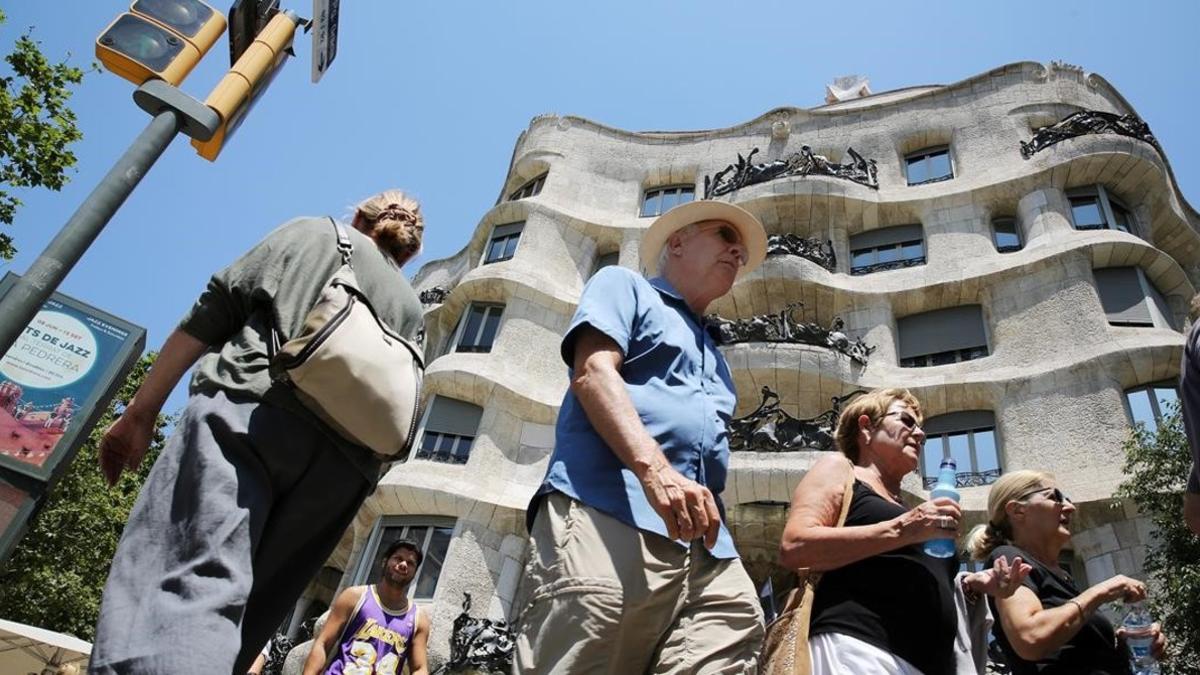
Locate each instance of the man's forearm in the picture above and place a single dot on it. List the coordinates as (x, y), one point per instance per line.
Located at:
(602, 393)
(177, 355)
(316, 658)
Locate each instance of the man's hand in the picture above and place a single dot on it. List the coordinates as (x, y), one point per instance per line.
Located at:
(686, 507)
(125, 443)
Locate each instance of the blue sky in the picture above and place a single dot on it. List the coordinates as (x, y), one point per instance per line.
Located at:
(431, 96)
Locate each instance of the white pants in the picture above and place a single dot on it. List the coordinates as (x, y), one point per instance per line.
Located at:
(837, 654)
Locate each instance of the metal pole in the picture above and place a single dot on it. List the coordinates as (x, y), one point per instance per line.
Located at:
(25, 298)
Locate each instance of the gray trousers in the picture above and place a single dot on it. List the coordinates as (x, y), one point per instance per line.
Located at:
(240, 511)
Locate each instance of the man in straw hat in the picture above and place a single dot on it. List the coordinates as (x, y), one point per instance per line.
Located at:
(632, 568)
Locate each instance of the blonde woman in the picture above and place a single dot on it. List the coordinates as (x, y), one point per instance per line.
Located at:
(883, 606)
(1048, 626)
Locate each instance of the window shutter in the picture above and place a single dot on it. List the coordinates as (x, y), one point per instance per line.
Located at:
(888, 236)
(1121, 295)
(942, 330)
(505, 230)
(966, 420)
(452, 416)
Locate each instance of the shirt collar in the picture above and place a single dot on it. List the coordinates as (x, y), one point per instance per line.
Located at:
(663, 286)
(665, 289)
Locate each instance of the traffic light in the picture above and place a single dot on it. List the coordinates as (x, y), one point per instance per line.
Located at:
(159, 39)
(236, 92)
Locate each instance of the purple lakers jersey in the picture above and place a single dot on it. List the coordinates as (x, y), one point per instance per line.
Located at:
(375, 641)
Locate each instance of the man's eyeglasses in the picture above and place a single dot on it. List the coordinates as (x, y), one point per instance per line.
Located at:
(906, 419)
(727, 233)
(1055, 495)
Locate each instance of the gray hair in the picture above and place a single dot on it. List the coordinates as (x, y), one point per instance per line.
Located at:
(686, 232)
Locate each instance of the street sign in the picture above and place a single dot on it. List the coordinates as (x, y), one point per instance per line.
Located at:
(324, 40)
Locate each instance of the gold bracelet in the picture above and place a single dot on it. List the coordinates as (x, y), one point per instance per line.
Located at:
(1082, 614)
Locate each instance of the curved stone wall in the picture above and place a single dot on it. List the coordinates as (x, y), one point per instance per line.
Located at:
(1056, 371)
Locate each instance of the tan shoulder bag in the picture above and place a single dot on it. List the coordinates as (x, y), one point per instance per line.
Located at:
(350, 369)
(785, 649)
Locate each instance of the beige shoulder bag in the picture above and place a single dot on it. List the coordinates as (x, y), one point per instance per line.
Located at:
(350, 369)
(785, 649)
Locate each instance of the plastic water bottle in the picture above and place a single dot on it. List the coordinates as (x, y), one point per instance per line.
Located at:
(946, 487)
(1140, 639)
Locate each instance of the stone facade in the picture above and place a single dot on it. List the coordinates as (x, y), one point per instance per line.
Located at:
(1055, 375)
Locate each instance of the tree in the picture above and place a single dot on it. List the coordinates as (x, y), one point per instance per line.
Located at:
(1157, 464)
(56, 575)
(36, 127)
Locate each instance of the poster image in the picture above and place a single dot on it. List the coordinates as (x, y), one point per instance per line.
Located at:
(16, 505)
(59, 374)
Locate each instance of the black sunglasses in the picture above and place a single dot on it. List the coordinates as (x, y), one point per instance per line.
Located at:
(1055, 495)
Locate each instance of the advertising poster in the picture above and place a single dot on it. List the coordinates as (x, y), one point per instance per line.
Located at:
(16, 505)
(56, 380)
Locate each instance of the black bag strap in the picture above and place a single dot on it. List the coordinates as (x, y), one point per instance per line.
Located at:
(343, 243)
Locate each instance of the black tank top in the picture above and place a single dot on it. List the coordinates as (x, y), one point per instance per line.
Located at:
(901, 601)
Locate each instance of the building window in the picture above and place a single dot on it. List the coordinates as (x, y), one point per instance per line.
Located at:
(1148, 404)
(1006, 234)
(449, 430)
(658, 201)
(968, 437)
(929, 166)
(502, 245)
(887, 249)
(1130, 299)
(943, 336)
(1094, 208)
(606, 260)
(431, 534)
(529, 189)
(476, 331)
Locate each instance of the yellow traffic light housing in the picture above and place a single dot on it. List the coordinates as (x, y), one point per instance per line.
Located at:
(237, 91)
(159, 39)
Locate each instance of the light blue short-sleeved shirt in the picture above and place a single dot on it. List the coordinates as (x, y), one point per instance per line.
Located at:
(680, 385)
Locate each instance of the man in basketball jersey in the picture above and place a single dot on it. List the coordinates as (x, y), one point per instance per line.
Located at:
(376, 629)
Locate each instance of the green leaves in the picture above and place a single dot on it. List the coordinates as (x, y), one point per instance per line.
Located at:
(36, 126)
(56, 576)
(1156, 465)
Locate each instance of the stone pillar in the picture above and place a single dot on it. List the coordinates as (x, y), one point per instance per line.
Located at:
(1043, 212)
(1110, 541)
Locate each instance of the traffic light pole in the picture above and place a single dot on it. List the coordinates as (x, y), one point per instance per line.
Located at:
(172, 111)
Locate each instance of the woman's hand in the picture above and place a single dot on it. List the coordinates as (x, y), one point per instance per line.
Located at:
(1121, 588)
(1001, 581)
(1158, 649)
(935, 519)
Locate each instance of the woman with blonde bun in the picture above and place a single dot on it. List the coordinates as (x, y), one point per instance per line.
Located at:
(1048, 626)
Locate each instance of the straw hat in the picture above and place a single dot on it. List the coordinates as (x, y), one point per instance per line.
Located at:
(751, 230)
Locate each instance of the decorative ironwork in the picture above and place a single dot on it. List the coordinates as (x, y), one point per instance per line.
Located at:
(810, 249)
(1087, 122)
(965, 479)
(804, 163)
(434, 295)
(771, 429)
(784, 327)
(478, 645)
(889, 265)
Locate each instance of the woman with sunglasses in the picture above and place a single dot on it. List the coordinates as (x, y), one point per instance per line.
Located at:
(1048, 626)
(883, 605)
